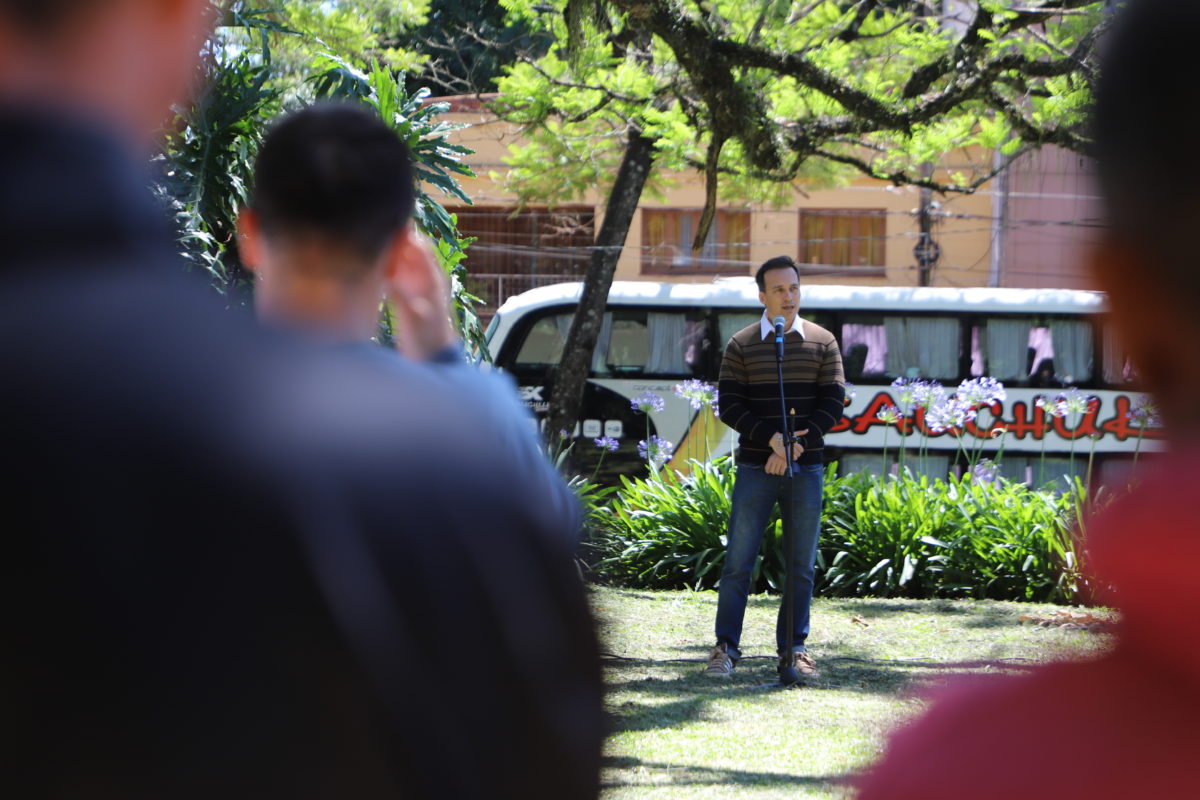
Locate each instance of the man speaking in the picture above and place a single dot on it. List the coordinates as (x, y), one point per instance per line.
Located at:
(813, 390)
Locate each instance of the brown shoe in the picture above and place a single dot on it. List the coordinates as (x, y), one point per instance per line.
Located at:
(805, 666)
(720, 663)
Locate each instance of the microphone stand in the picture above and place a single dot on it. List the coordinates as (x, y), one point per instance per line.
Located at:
(788, 675)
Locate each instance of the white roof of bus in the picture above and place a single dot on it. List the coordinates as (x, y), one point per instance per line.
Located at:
(742, 292)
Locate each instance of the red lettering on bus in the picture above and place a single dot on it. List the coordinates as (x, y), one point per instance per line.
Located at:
(997, 411)
(1086, 426)
(869, 418)
(1026, 420)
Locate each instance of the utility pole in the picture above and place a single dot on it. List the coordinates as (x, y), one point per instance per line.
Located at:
(926, 252)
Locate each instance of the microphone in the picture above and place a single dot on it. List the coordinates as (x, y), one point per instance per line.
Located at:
(779, 338)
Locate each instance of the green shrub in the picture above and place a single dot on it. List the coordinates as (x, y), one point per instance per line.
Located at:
(916, 537)
(881, 537)
(668, 531)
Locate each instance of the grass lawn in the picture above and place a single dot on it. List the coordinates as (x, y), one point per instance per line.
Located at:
(677, 734)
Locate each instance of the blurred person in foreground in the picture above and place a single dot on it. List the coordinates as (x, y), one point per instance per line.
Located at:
(1123, 725)
(240, 565)
(328, 235)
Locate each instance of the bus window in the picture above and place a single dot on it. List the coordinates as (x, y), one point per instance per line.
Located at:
(1071, 340)
(637, 342)
(923, 347)
(1118, 368)
(628, 345)
(864, 346)
(1060, 353)
(1000, 349)
(1022, 351)
(730, 322)
(543, 345)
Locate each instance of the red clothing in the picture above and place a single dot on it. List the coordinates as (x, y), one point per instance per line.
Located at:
(1122, 726)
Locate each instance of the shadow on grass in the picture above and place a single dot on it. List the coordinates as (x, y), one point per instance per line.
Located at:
(678, 693)
(697, 775)
(969, 613)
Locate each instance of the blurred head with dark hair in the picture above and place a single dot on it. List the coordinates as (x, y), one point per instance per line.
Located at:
(328, 221)
(122, 63)
(336, 173)
(1147, 108)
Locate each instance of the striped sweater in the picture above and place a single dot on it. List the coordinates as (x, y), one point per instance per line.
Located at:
(813, 386)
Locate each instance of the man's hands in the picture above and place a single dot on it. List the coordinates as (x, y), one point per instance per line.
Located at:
(776, 465)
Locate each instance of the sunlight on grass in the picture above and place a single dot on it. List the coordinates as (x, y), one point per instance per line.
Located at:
(677, 734)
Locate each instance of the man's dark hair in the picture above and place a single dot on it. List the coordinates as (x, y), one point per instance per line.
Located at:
(336, 171)
(778, 262)
(42, 15)
(1147, 107)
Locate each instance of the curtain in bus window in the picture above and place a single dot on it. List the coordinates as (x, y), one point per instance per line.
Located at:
(1072, 349)
(864, 349)
(730, 323)
(666, 344)
(1116, 362)
(922, 347)
(600, 354)
(628, 345)
(1007, 349)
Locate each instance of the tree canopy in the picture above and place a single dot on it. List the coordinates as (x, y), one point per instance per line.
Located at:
(770, 97)
(265, 58)
(766, 96)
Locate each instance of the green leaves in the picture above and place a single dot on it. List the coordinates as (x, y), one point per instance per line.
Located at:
(207, 161)
(802, 93)
(208, 158)
(913, 537)
(669, 531)
(881, 537)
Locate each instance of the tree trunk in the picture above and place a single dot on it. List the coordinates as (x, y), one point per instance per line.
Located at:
(571, 375)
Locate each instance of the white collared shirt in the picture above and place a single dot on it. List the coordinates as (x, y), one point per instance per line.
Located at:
(767, 327)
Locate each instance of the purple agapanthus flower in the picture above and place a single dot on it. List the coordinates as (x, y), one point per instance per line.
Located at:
(647, 402)
(655, 450)
(1145, 413)
(953, 413)
(889, 414)
(986, 471)
(607, 443)
(904, 389)
(927, 394)
(696, 392)
(982, 391)
(1075, 401)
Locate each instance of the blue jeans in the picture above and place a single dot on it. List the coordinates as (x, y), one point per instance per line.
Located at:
(755, 494)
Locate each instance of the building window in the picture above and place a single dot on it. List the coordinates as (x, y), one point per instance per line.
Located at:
(528, 241)
(668, 234)
(843, 237)
(519, 249)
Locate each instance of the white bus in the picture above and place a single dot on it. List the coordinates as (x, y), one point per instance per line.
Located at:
(655, 335)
